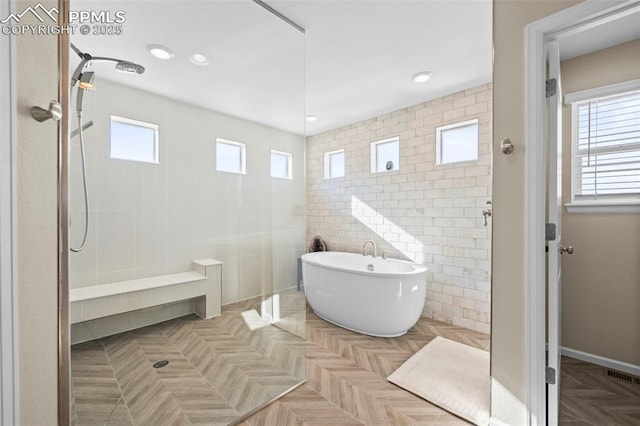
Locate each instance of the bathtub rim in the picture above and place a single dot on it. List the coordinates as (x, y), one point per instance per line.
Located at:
(419, 269)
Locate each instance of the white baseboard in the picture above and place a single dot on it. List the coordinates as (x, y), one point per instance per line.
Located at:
(262, 295)
(292, 288)
(600, 360)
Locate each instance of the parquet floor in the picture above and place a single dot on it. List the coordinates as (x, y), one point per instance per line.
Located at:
(589, 397)
(218, 368)
(346, 379)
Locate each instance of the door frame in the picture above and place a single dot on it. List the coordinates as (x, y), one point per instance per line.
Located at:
(8, 224)
(537, 34)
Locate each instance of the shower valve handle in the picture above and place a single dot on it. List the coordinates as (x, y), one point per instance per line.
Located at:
(54, 112)
(487, 213)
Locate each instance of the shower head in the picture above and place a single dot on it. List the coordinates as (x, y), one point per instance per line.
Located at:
(121, 65)
(85, 83)
(126, 66)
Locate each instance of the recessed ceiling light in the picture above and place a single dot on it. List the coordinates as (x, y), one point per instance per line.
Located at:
(422, 76)
(198, 59)
(311, 118)
(160, 52)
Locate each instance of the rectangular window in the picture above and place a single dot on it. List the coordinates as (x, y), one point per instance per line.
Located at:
(385, 155)
(457, 142)
(606, 147)
(231, 156)
(133, 140)
(281, 164)
(334, 164)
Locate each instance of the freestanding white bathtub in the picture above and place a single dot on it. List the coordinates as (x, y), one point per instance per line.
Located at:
(374, 296)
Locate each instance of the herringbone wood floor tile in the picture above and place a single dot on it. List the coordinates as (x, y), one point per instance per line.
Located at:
(221, 368)
(351, 369)
(95, 387)
(589, 397)
(218, 369)
(303, 406)
(346, 379)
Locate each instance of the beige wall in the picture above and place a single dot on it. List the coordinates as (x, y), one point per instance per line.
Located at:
(423, 212)
(37, 225)
(507, 332)
(601, 279)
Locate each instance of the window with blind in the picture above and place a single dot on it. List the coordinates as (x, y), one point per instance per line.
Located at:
(606, 137)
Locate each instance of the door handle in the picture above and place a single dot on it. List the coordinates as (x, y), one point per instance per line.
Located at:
(568, 249)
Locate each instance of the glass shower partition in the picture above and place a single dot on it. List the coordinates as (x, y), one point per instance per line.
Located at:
(194, 168)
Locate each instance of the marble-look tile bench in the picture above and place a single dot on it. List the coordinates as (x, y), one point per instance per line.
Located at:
(98, 301)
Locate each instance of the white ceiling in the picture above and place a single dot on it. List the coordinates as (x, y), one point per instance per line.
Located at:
(361, 54)
(355, 62)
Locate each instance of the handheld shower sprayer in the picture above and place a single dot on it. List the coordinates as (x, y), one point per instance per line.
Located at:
(85, 83)
(84, 80)
(83, 63)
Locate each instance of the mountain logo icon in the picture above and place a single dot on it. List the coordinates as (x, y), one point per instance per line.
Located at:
(39, 11)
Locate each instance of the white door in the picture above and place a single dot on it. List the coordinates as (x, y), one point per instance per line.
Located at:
(554, 212)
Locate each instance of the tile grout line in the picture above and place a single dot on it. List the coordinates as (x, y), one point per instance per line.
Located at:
(159, 378)
(101, 342)
(213, 387)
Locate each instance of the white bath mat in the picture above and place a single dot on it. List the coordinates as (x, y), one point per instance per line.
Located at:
(450, 375)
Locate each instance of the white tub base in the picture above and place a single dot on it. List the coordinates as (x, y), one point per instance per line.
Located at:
(373, 296)
(360, 331)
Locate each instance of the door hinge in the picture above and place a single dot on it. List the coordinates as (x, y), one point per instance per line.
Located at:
(550, 87)
(550, 231)
(551, 376)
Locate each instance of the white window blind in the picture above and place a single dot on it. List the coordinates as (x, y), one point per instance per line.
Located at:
(607, 147)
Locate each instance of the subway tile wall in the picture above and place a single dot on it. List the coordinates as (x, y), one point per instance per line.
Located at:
(423, 212)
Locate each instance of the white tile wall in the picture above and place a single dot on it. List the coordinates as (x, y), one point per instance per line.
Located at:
(424, 212)
(154, 219)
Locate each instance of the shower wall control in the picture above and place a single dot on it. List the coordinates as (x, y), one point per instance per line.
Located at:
(53, 113)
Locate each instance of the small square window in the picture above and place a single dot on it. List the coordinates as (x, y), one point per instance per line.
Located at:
(385, 155)
(334, 164)
(281, 164)
(133, 140)
(457, 142)
(231, 156)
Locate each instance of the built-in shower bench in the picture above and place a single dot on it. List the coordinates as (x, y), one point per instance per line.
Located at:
(98, 301)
